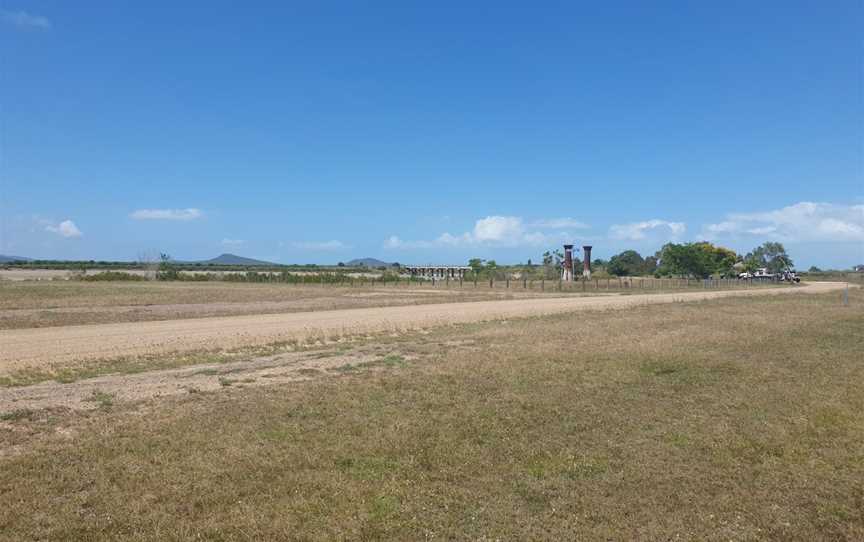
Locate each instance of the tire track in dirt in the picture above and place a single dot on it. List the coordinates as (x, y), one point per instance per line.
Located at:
(31, 348)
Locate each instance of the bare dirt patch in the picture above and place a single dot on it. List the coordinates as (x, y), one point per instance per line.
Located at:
(92, 393)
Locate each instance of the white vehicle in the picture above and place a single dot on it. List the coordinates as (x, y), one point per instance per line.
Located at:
(761, 274)
(764, 274)
(790, 276)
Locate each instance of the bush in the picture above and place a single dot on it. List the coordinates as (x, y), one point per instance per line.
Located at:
(111, 275)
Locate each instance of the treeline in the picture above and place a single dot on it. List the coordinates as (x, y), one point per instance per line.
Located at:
(172, 274)
(697, 260)
(166, 273)
(701, 260)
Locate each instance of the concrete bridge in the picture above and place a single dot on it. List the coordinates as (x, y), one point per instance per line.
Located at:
(437, 271)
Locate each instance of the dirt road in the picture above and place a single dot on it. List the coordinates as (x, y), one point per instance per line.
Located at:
(26, 348)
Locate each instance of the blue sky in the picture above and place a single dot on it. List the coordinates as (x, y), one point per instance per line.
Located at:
(429, 132)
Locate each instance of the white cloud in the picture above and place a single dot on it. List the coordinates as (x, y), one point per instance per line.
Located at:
(233, 242)
(558, 224)
(443, 240)
(319, 245)
(804, 221)
(498, 231)
(395, 242)
(636, 231)
(23, 19)
(167, 214)
(66, 229)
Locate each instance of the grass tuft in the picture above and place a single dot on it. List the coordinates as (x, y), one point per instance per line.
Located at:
(102, 399)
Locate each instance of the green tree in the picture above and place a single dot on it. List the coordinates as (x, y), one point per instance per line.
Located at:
(650, 265)
(720, 260)
(476, 265)
(552, 263)
(167, 270)
(628, 263)
(770, 255)
(695, 259)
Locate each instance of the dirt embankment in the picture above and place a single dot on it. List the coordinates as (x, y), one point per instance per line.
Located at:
(28, 348)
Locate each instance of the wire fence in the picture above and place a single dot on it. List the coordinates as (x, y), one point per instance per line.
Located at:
(618, 284)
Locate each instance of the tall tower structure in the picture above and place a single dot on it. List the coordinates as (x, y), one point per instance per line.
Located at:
(567, 272)
(586, 264)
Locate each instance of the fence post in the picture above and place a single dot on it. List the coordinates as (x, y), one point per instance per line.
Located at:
(542, 285)
(508, 283)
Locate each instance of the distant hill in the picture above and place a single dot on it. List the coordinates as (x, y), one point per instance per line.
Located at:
(233, 259)
(10, 259)
(367, 262)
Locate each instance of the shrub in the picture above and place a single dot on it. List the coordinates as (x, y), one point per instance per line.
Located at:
(111, 275)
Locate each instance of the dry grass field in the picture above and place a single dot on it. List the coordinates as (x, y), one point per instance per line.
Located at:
(58, 346)
(28, 304)
(728, 419)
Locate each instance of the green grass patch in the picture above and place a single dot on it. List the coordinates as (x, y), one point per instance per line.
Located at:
(18, 414)
(102, 399)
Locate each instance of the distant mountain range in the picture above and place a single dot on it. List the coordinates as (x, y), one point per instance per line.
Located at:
(233, 259)
(9, 259)
(367, 262)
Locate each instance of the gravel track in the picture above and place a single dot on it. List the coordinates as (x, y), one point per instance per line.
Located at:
(31, 348)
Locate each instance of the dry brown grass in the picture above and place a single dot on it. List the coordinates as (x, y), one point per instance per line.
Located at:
(64, 294)
(28, 304)
(43, 304)
(729, 419)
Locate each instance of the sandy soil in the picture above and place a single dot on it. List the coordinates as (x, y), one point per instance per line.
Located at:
(34, 274)
(58, 274)
(29, 348)
(281, 368)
